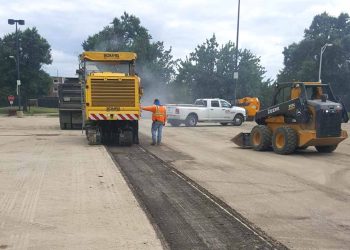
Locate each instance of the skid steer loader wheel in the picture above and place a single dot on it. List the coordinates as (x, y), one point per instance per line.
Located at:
(260, 138)
(326, 149)
(284, 140)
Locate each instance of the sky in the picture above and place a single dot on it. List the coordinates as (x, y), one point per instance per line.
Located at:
(266, 26)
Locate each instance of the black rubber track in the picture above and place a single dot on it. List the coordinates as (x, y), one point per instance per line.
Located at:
(184, 214)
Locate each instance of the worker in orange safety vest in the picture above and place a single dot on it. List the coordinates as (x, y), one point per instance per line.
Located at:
(159, 120)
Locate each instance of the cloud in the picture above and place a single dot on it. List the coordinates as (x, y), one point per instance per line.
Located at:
(65, 64)
(266, 26)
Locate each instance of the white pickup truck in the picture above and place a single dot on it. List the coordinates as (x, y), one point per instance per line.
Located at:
(205, 110)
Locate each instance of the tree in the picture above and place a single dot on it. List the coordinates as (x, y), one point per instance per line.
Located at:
(301, 60)
(155, 64)
(34, 53)
(208, 72)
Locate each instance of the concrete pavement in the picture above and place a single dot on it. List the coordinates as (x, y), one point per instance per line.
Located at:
(301, 200)
(56, 192)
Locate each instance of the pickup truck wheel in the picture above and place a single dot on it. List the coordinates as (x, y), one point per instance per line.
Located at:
(238, 120)
(191, 121)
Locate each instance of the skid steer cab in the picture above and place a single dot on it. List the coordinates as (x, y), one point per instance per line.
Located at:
(111, 97)
(302, 114)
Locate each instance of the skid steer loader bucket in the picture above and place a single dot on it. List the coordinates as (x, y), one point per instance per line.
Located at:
(242, 140)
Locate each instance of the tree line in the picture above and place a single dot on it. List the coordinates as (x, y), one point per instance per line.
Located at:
(301, 59)
(205, 72)
(35, 52)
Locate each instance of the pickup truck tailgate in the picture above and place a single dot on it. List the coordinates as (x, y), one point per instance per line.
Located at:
(173, 113)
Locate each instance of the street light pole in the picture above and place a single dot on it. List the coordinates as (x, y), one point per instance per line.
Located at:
(19, 22)
(235, 73)
(320, 66)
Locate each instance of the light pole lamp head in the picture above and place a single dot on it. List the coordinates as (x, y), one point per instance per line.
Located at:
(13, 21)
(12, 57)
(329, 44)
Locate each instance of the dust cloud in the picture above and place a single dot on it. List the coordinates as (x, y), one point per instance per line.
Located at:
(152, 89)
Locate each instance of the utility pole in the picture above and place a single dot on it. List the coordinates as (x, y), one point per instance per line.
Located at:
(235, 73)
(324, 47)
(19, 22)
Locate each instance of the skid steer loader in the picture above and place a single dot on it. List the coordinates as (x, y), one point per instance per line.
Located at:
(303, 114)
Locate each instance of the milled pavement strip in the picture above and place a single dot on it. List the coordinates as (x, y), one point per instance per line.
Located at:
(222, 205)
(222, 208)
(158, 231)
(131, 176)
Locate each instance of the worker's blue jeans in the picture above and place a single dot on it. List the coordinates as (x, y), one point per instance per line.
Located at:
(157, 128)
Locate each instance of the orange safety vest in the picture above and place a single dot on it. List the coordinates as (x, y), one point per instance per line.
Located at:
(158, 113)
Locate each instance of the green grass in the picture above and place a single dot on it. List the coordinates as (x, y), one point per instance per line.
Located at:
(32, 111)
(52, 114)
(41, 110)
(4, 110)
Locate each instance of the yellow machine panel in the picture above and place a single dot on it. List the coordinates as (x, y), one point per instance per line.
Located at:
(112, 96)
(108, 56)
(250, 104)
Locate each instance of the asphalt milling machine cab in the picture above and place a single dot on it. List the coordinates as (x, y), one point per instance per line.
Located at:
(303, 114)
(111, 99)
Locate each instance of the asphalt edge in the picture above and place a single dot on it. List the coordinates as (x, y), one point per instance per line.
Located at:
(218, 202)
(151, 220)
